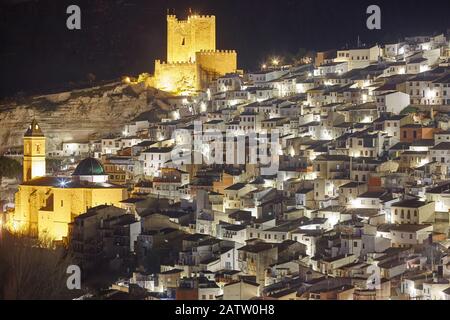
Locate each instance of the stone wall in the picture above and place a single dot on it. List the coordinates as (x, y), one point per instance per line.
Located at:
(213, 64)
(175, 77)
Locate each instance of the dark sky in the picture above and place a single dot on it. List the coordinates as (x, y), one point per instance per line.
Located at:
(119, 37)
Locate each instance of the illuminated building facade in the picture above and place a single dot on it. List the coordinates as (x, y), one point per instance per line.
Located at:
(192, 59)
(45, 205)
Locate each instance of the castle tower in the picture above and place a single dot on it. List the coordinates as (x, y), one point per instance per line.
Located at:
(192, 59)
(33, 152)
(186, 37)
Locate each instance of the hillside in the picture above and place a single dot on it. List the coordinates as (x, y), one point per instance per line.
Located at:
(76, 115)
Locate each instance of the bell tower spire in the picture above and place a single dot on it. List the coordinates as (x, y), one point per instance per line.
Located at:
(33, 152)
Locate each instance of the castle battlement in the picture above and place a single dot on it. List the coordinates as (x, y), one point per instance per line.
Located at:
(174, 63)
(190, 18)
(201, 17)
(215, 52)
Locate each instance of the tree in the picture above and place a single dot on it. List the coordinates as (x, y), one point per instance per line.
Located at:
(53, 165)
(302, 56)
(91, 78)
(9, 168)
(32, 270)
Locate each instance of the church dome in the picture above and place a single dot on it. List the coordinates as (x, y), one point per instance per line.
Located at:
(89, 167)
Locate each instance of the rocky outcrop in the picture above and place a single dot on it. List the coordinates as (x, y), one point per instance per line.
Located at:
(77, 115)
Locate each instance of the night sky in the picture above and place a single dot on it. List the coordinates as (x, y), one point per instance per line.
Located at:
(124, 37)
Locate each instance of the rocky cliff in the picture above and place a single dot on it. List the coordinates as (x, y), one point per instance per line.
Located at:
(77, 115)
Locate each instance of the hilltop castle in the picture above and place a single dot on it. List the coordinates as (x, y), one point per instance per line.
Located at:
(192, 59)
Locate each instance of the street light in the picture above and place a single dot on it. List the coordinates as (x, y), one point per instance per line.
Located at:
(275, 61)
(63, 183)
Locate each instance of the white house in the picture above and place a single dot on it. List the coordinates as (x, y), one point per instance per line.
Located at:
(75, 148)
(241, 290)
(266, 75)
(154, 159)
(393, 102)
(110, 145)
(433, 289)
(404, 235)
(331, 68)
(358, 58)
(441, 152)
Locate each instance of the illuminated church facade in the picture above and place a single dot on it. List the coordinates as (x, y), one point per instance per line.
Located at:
(192, 58)
(45, 205)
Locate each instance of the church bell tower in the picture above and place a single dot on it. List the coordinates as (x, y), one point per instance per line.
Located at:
(33, 152)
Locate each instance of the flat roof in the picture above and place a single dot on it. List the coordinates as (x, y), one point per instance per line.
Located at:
(410, 203)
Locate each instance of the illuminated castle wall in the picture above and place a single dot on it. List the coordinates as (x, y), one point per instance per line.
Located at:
(212, 64)
(186, 37)
(192, 58)
(176, 77)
